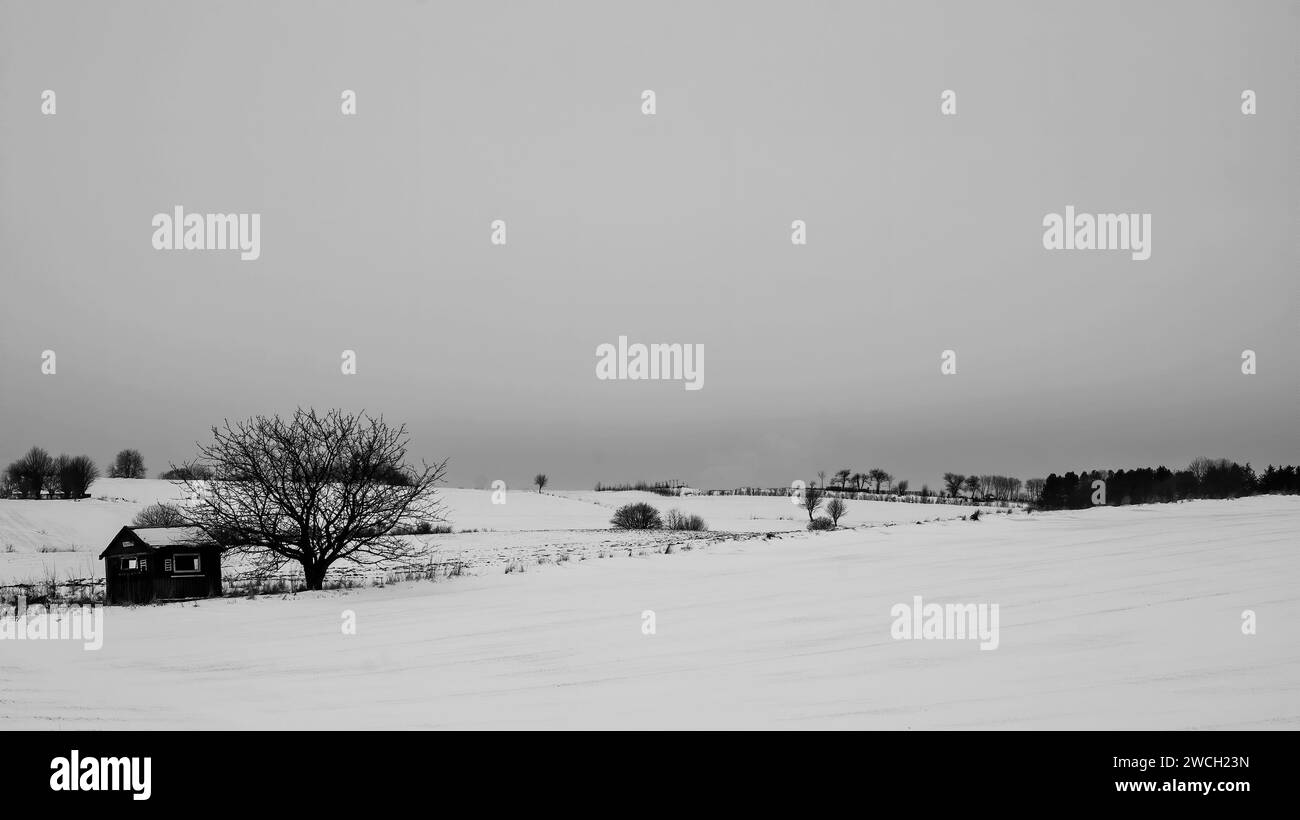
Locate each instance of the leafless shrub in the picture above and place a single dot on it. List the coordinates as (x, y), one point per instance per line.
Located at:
(678, 520)
(158, 515)
(836, 508)
(637, 516)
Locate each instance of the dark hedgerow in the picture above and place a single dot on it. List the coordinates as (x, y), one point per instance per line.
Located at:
(638, 516)
(421, 528)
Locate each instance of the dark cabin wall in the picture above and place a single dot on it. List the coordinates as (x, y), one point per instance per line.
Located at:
(204, 585)
(157, 584)
(123, 587)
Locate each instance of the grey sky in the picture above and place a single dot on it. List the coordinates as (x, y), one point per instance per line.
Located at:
(924, 231)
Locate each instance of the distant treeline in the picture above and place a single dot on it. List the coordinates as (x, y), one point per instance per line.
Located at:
(922, 496)
(1203, 478)
(657, 487)
(188, 472)
(38, 474)
(196, 471)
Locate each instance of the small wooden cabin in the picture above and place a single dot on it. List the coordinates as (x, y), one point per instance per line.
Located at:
(146, 564)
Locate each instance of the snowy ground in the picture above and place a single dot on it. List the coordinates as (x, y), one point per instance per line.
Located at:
(62, 539)
(1110, 618)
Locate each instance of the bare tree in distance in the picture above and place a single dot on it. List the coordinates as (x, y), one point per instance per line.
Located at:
(314, 489)
(877, 475)
(952, 483)
(1201, 466)
(972, 485)
(1034, 488)
(127, 464)
(901, 487)
(812, 499)
(75, 475)
(540, 480)
(32, 473)
(821, 478)
(836, 508)
(843, 476)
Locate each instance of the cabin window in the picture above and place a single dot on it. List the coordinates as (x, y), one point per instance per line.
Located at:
(129, 564)
(128, 543)
(184, 564)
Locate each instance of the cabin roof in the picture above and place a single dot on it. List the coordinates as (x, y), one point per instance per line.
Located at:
(170, 536)
(159, 537)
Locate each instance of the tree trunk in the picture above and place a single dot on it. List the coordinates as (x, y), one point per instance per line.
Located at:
(315, 575)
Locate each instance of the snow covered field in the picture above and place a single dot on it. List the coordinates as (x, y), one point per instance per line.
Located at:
(63, 538)
(1118, 618)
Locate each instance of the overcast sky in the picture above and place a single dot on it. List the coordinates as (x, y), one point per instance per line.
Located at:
(924, 231)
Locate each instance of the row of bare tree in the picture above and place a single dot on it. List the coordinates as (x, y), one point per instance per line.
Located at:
(846, 479)
(995, 487)
(37, 471)
(65, 476)
(957, 485)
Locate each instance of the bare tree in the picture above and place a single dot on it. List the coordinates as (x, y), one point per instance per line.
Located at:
(1034, 487)
(952, 482)
(32, 473)
(127, 464)
(812, 499)
(821, 478)
(972, 485)
(836, 508)
(901, 487)
(540, 480)
(54, 480)
(843, 476)
(315, 489)
(1200, 467)
(877, 475)
(75, 475)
